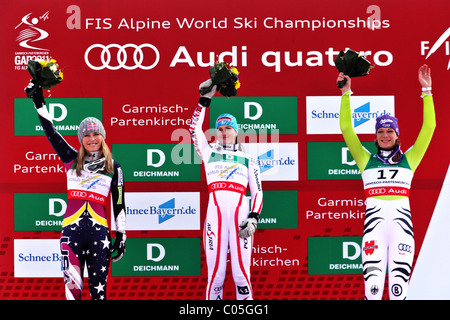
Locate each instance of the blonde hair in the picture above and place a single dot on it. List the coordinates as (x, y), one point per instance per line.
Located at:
(105, 152)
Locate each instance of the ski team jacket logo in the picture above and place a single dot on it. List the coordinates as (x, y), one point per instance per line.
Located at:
(227, 172)
(89, 186)
(383, 179)
(227, 186)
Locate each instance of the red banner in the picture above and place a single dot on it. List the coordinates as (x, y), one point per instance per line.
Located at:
(138, 65)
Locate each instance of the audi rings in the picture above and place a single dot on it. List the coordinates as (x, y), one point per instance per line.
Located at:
(122, 56)
(377, 191)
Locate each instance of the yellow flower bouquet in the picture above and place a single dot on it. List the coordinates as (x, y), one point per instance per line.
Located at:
(225, 77)
(45, 73)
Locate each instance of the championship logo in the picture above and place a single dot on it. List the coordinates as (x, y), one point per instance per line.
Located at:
(30, 39)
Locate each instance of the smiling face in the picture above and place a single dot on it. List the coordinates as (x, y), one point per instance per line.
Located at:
(386, 138)
(226, 134)
(92, 142)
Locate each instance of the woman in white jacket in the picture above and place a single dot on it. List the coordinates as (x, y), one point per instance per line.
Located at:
(229, 223)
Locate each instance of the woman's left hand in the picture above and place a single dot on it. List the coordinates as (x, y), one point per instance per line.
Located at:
(119, 246)
(425, 76)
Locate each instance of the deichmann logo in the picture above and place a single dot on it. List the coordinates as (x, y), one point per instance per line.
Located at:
(161, 252)
(157, 162)
(122, 56)
(47, 214)
(150, 160)
(333, 161)
(159, 257)
(26, 123)
(280, 210)
(334, 255)
(322, 113)
(162, 211)
(255, 114)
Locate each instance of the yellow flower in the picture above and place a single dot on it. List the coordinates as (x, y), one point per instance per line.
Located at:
(235, 71)
(237, 84)
(53, 66)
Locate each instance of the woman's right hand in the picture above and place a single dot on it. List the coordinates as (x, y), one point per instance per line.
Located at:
(348, 83)
(34, 91)
(206, 84)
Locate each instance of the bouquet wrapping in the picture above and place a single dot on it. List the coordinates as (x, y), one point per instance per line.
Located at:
(44, 73)
(225, 77)
(352, 64)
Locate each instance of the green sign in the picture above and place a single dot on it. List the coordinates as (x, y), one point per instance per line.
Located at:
(67, 113)
(334, 255)
(159, 257)
(254, 114)
(39, 211)
(158, 162)
(280, 210)
(333, 161)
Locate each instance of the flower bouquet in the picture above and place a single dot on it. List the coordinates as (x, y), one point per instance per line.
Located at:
(44, 73)
(352, 64)
(225, 77)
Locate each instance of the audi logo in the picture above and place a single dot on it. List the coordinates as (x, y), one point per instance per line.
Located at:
(121, 56)
(218, 185)
(405, 247)
(377, 191)
(78, 193)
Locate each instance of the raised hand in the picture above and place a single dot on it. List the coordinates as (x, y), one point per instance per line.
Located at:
(425, 78)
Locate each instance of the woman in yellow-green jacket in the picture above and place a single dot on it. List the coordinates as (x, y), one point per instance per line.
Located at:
(388, 238)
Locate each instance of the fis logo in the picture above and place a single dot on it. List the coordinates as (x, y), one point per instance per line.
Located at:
(442, 41)
(29, 33)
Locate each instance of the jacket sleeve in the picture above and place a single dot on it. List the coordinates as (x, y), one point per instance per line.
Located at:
(417, 151)
(118, 198)
(255, 186)
(358, 152)
(65, 152)
(199, 140)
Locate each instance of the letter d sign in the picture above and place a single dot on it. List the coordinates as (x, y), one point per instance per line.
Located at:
(150, 162)
(344, 154)
(345, 250)
(160, 248)
(53, 106)
(258, 107)
(51, 207)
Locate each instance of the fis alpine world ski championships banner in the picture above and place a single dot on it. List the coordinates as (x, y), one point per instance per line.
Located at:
(137, 66)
